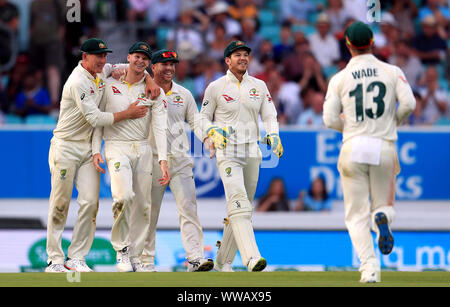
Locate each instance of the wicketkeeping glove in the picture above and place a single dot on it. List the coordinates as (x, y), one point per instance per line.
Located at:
(219, 136)
(273, 140)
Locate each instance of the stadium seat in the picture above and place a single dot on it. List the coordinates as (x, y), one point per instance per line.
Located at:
(271, 32)
(273, 5)
(266, 17)
(13, 119)
(443, 121)
(37, 119)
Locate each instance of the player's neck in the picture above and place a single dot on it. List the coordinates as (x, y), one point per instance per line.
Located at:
(239, 75)
(164, 84)
(132, 77)
(92, 72)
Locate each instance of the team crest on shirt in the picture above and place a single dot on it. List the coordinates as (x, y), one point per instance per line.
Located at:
(101, 84)
(117, 166)
(253, 93)
(228, 171)
(178, 100)
(116, 90)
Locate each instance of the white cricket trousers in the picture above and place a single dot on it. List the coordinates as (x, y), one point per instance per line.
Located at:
(367, 189)
(71, 162)
(130, 167)
(182, 186)
(238, 166)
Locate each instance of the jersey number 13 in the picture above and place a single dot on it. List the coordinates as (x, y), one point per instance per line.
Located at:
(358, 94)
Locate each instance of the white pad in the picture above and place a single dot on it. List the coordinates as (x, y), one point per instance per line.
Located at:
(228, 248)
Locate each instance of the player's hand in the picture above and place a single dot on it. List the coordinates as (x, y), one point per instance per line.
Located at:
(219, 136)
(273, 140)
(209, 145)
(152, 89)
(165, 178)
(135, 111)
(98, 159)
(117, 73)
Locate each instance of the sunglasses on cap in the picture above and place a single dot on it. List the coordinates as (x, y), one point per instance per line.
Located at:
(169, 54)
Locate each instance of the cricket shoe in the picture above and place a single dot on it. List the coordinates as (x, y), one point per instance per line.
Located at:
(138, 266)
(56, 268)
(200, 265)
(384, 234)
(226, 267)
(123, 260)
(77, 265)
(256, 264)
(370, 276)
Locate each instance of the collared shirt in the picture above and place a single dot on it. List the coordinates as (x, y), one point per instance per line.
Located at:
(228, 102)
(366, 91)
(181, 108)
(118, 96)
(79, 112)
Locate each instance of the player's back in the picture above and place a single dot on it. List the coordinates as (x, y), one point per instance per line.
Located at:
(367, 89)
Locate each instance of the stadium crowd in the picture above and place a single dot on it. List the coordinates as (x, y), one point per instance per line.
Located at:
(297, 46)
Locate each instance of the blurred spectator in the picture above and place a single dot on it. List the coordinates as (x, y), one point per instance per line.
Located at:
(34, 98)
(161, 11)
(293, 63)
(183, 76)
(405, 12)
(241, 9)
(274, 85)
(440, 13)
(417, 117)
(250, 36)
(312, 117)
(312, 75)
(323, 44)
(316, 199)
(76, 33)
(286, 44)
(337, 15)
(428, 45)
(210, 71)
(4, 101)
(268, 65)
(9, 15)
(218, 13)
(404, 58)
(189, 41)
(217, 47)
(137, 10)
(435, 99)
(47, 31)
(264, 51)
(289, 97)
(275, 198)
(296, 11)
(385, 40)
(16, 76)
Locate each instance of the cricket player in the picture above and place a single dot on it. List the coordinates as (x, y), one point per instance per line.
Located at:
(229, 120)
(366, 91)
(70, 156)
(181, 108)
(129, 155)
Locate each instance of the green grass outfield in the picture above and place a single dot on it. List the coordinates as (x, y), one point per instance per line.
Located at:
(215, 279)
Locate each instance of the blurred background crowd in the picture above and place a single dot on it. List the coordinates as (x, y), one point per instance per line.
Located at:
(297, 46)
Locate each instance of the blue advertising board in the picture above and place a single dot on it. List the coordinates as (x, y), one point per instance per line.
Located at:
(307, 153)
